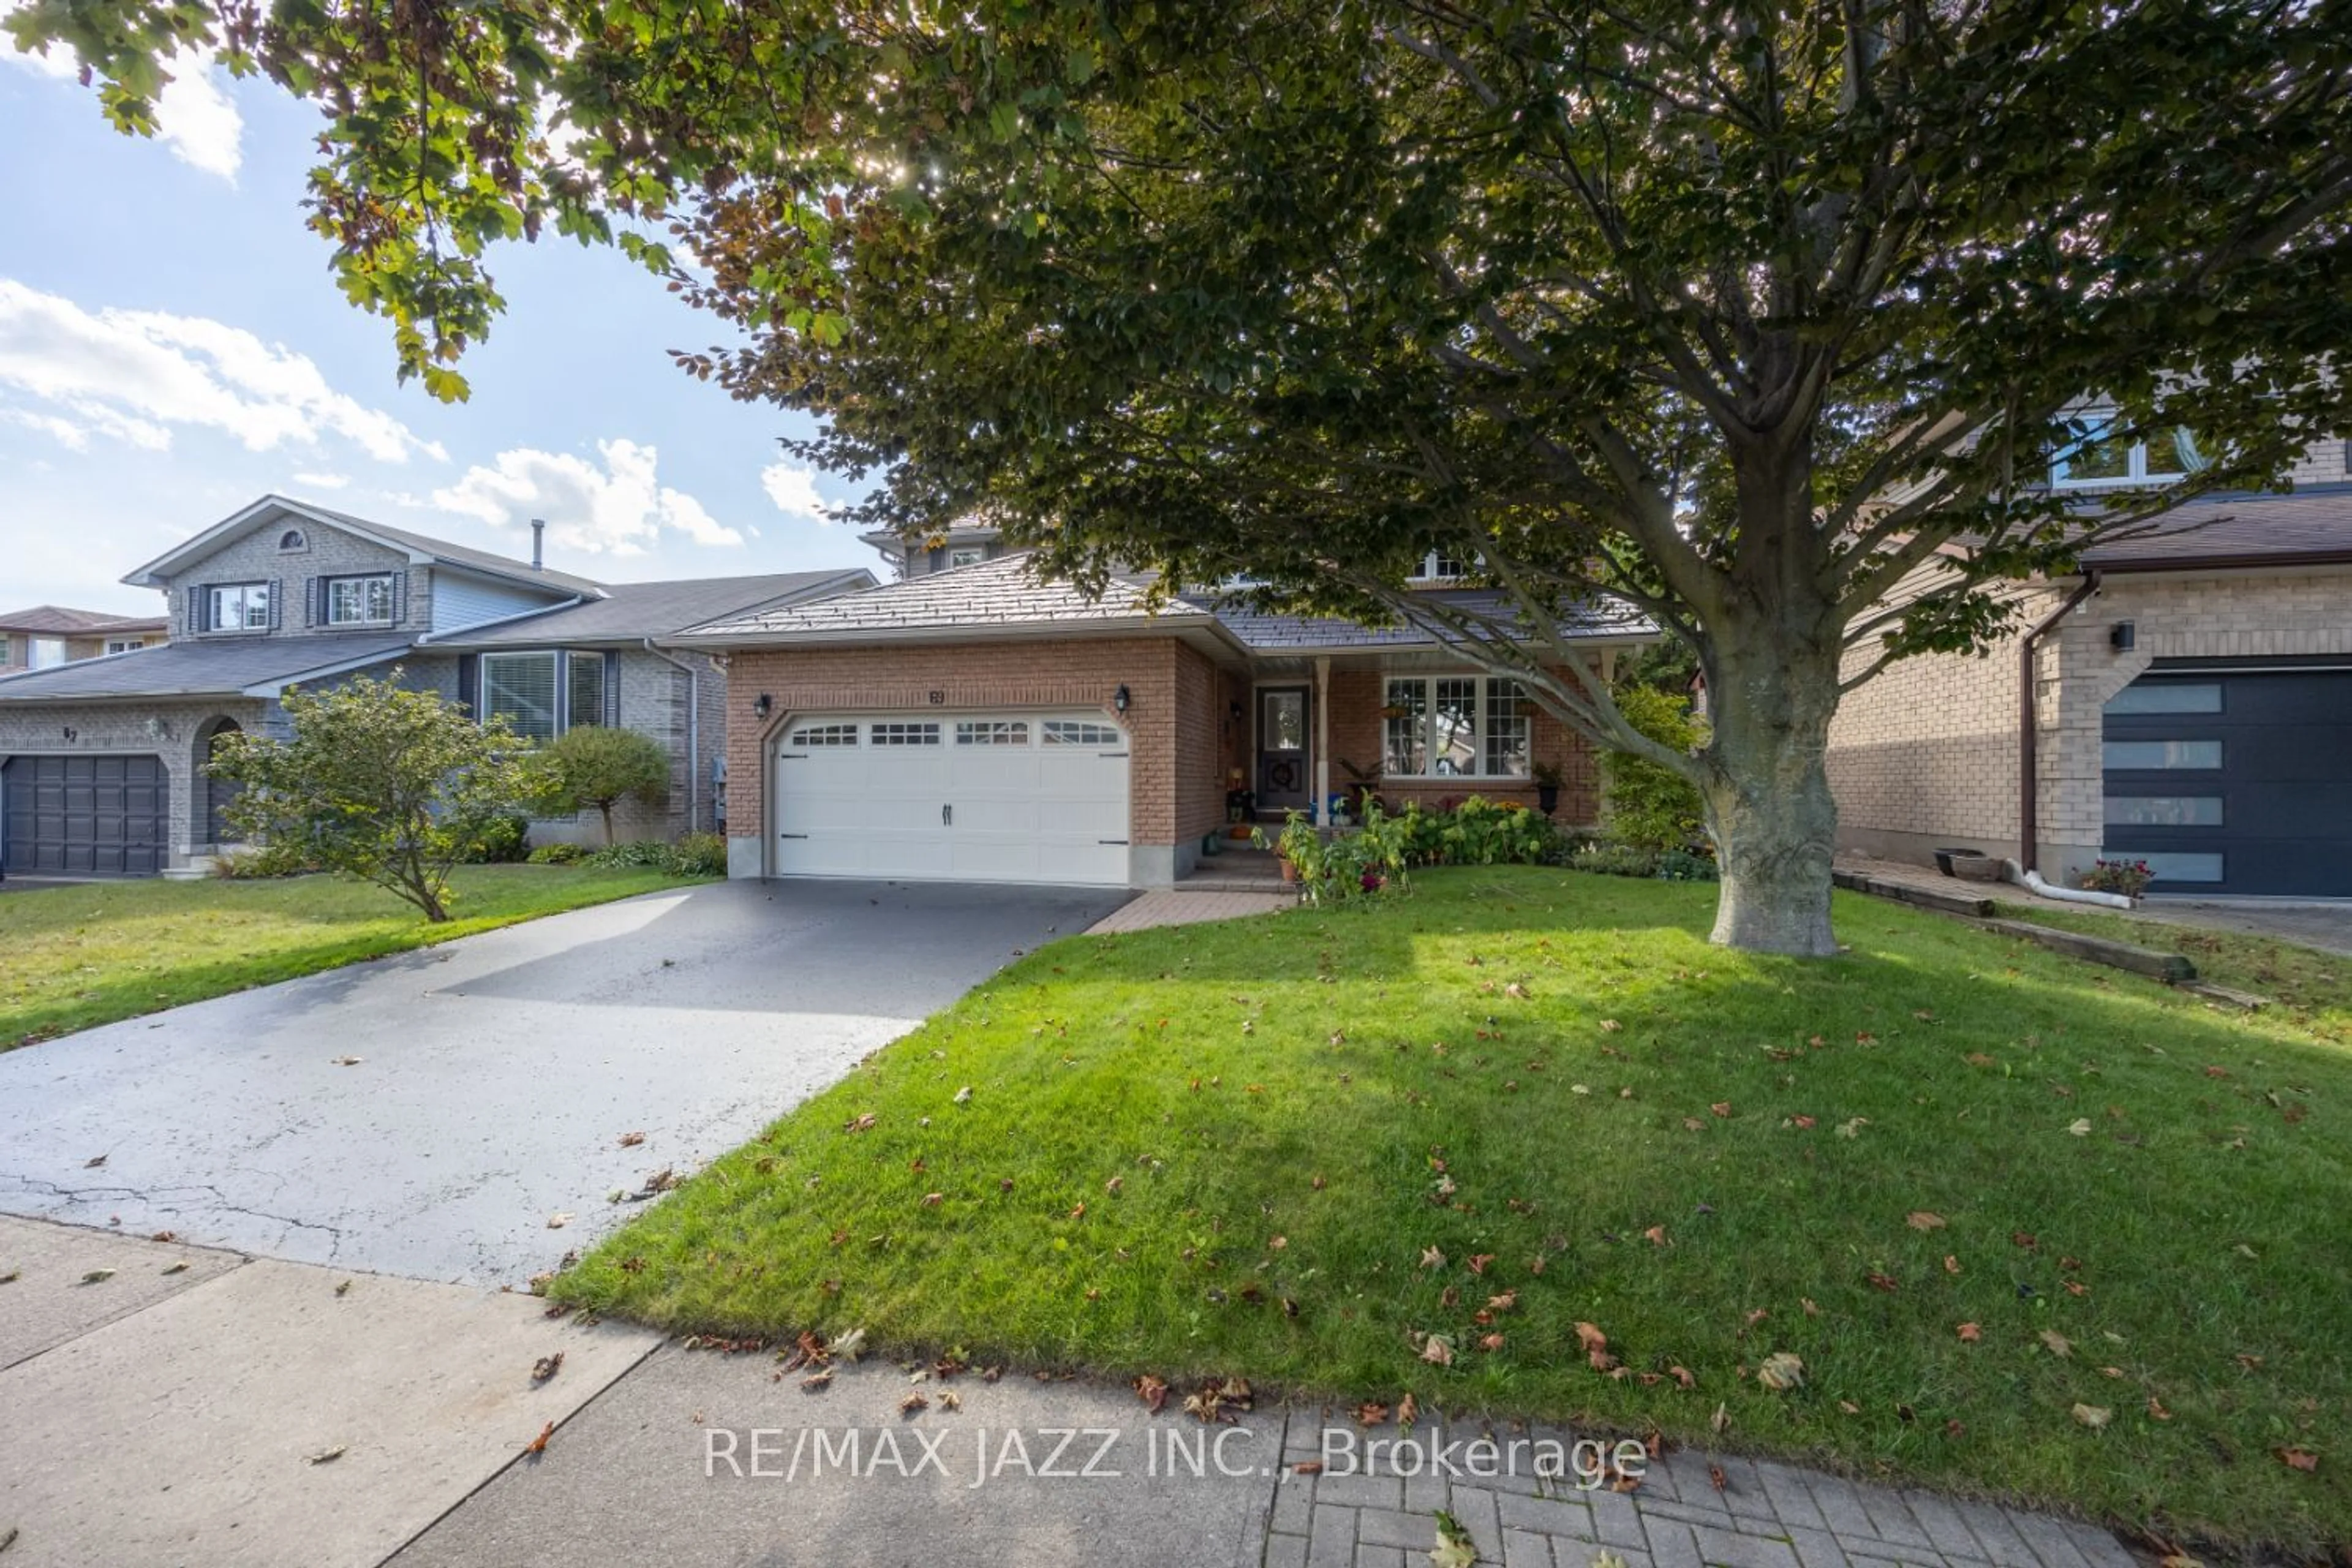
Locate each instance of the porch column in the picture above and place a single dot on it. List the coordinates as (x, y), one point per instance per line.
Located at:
(1322, 742)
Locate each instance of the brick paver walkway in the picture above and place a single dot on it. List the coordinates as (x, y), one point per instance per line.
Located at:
(1766, 1516)
(1177, 906)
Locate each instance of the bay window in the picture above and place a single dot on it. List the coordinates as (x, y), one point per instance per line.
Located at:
(542, 693)
(1455, 726)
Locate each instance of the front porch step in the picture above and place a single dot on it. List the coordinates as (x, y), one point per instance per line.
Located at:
(1213, 882)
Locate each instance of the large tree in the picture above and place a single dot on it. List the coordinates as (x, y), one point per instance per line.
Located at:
(1767, 319)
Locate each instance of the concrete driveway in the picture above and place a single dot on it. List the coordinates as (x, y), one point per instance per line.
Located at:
(497, 1075)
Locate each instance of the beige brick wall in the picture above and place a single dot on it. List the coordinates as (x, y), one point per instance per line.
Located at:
(1926, 753)
(1176, 790)
(1926, 750)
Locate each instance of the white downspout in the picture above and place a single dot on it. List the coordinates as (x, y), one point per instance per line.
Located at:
(1323, 742)
(693, 733)
(2031, 880)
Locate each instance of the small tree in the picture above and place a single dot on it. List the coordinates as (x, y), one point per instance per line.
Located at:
(1649, 804)
(389, 785)
(601, 766)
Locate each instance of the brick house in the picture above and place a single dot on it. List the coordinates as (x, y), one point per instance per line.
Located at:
(2185, 699)
(101, 761)
(970, 722)
(47, 636)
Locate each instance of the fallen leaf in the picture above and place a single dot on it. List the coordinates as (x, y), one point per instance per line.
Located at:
(558, 1221)
(2302, 1459)
(1693, 1124)
(1370, 1414)
(1951, 1263)
(1781, 1370)
(1884, 1283)
(2080, 1127)
(631, 1139)
(1721, 1108)
(1969, 1334)
(1455, 1548)
(1491, 1342)
(331, 1455)
(546, 1367)
(1438, 1350)
(1610, 1026)
(951, 1400)
(538, 1445)
(1720, 1422)
(1478, 1262)
(1655, 1235)
(1853, 1128)
(1504, 1302)
(821, 1378)
(1432, 1259)
(1715, 1479)
(933, 1200)
(2094, 1416)
(1590, 1338)
(1682, 1375)
(2060, 1345)
(1924, 1219)
(1408, 1412)
(179, 1267)
(2156, 1410)
(913, 1405)
(98, 1277)
(93, 1163)
(1152, 1391)
(1307, 1467)
(343, 1061)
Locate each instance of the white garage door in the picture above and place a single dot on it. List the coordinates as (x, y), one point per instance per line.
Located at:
(984, 797)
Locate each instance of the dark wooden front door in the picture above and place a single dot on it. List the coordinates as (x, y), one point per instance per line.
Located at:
(1285, 776)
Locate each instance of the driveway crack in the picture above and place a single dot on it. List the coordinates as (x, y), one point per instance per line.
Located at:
(166, 1198)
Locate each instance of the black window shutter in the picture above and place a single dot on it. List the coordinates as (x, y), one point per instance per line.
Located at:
(468, 673)
(276, 592)
(200, 609)
(612, 688)
(313, 590)
(399, 597)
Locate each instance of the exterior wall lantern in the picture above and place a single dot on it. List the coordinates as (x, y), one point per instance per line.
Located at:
(2123, 637)
(1119, 699)
(763, 704)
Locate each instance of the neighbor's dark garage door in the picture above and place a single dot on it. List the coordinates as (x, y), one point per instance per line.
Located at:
(83, 816)
(2233, 779)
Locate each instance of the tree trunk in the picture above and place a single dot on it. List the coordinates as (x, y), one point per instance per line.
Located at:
(1772, 689)
(606, 807)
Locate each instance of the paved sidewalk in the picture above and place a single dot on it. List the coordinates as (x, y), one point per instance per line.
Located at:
(1177, 906)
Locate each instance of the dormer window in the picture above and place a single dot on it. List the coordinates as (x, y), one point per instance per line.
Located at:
(967, 555)
(2101, 459)
(1441, 566)
(291, 542)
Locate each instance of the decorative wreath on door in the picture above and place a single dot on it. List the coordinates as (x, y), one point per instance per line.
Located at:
(1283, 775)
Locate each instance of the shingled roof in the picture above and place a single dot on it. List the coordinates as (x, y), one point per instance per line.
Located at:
(1269, 633)
(998, 596)
(257, 666)
(632, 612)
(55, 620)
(2311, 527)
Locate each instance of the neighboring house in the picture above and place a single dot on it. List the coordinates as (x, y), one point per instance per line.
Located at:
(101, 762)
(2190, 705)
(47, 636)
(958, 544)
(973, 723)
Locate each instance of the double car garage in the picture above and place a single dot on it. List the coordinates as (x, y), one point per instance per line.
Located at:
(982, 797)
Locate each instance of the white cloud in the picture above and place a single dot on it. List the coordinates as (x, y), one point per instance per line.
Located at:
(322, 481)
(134, 374)
(793, 489)
(617, 509)
(194, 115)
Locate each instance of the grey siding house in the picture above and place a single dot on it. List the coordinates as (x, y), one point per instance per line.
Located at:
(102, 761)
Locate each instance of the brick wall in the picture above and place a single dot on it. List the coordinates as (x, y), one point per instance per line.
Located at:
(1926, 753)
(1174, 792)
(326, 552)
(1356, 736)
(180, 737)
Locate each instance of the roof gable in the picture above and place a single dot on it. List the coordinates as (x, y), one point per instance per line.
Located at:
(420, 549)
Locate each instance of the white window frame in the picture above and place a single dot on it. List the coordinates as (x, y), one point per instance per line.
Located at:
(1439, 566)
(361, 587)
(252, 602)
(2135, 471)
(1484, 694)
(44, 653)
(124, 645)
(562, 717)
(966, 555)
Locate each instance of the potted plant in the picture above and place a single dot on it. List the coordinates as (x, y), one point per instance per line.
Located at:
(1547, 777)
(2130, 878)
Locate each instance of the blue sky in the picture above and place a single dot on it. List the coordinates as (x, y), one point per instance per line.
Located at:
(173, 345)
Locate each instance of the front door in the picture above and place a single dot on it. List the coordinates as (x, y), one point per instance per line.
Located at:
(1283, 783)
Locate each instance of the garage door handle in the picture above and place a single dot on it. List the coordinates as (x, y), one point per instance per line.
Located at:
(791, 836)
(1110, 840)
(946, 816)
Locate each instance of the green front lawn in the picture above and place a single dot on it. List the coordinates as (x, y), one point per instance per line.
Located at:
(1295, 1147)
(72, 957)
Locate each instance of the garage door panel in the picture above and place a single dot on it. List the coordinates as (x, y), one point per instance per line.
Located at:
(2284, 748)
(1007, 808)
(83, 816)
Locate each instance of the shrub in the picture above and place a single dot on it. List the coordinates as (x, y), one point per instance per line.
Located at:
(1345, 867)
(695, 855)
(557, 853)
(1689, 866)
(263, 862)
(383, 783)
(1648, 804)
(503, 840)
(601, 765)
(1613, 860)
